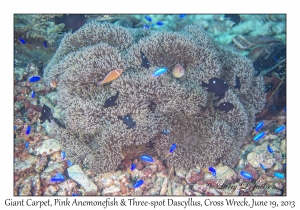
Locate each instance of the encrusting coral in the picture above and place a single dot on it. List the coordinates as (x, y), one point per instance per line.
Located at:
(96, 137)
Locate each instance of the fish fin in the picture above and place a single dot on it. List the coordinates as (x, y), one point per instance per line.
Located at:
(204, 84)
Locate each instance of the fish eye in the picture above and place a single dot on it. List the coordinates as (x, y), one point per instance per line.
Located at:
(214, 81)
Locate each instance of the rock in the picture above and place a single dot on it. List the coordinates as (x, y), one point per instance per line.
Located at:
(193, 176)
(41, 163)
(37, 185)
(25, 167)
(178, 190)
(25, 188)
(46, 147)
(78, 176)
(283, 146)
(164, 187)
(261, 155)
(112, 190)
(66, 187)
(181, 173)
(273, 192)
(51, 190)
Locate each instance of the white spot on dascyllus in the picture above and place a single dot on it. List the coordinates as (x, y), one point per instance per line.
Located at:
(214, 81)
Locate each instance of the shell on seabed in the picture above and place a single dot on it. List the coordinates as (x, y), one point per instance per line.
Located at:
(53, 83)
(178, 71)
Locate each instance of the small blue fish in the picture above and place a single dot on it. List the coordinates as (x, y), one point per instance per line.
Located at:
(69, 163)
(28, 130)
(75, 194)
(146, 26)
(182, 15)
(22, 41)
(212, 170)
(152, 24)
(270, 149)
(138, 184)
(15, 127)
(173, 147)
(246, 174)
(280, 129)
(165, 132)
(58, 177)
(284, 109)
(262, 166)
(159, 23)
(259, 136)
(63, 155)
(26, 145)
(259, 126)
(279, 175)
(133, 166)
(35, 78)
(147, 158)
(33, 94)
(159, 72)
(276, 60)
(45, 44)
(148, 18)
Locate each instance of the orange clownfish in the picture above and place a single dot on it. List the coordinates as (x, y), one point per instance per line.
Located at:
(111, 76)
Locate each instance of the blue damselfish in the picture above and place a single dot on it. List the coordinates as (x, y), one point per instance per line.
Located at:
(280, 129)
(26, 144)
(63, 155)
(212, 170)
(148, 18)
(173, 147)
(22, 41)
(159, 23)
(69, 163)
(45, 44)
(138, 184)
(146, 26)
(279, 175)
(262, 166)
(35, 78)
(58, 177)
(133, 166)
(147, 158)
(270, 149)
(33, 94)
(159, 72)
(182, 15)
(259, 126)
(259, 136)
(28, 130)
(246, 174)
